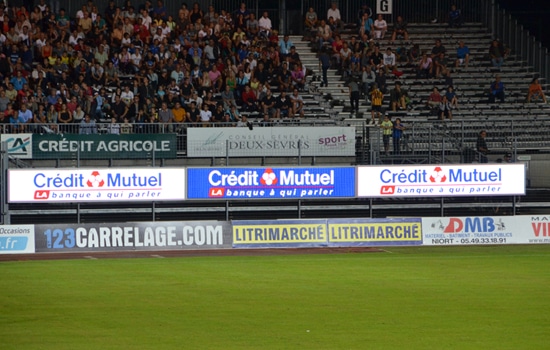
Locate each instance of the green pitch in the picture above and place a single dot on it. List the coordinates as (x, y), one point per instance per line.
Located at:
(405, 298)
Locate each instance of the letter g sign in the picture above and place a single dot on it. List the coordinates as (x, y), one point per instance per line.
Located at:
(384, 7)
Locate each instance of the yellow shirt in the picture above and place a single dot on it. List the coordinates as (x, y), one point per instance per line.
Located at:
(376, 97)
(179, 115)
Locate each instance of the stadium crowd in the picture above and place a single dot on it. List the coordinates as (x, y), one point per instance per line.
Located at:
(139, 65)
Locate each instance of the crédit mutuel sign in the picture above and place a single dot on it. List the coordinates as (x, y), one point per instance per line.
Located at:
(441, 180)
(96, 185)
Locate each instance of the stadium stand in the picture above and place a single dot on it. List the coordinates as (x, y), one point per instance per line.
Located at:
(514, 126)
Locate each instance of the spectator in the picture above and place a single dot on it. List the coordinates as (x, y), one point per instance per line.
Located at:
(535, 91)
(266, 122)
(497, 52)
(368, 78)
(440, 67)
(249, 100)
(334, 13)
(88, 126)
(496, 90)
(166, 117)
(354, 94)
(397, 135)
(269, 103)
(298, 77)
(228, 98)
(462, 55)
(206, 115)
(434, 99)
(366, 27)
(113, 128)
(381, 81)
(380, 27)
(324, 34)
(414, 55)
(297, 104)
(365, 10)
(283, 105)
(265, 26)
(126, 127)
(311, 19)
(481, 146)
(387, 130)
(252, 26)
(284, 46)
(445, 109)
(24, 118)
(390, 61)
(324, 65)
(377, 96)
(425, 67)
(400, 30)
(451, 96)
(455, 17)
(438, 48)
(397, 98)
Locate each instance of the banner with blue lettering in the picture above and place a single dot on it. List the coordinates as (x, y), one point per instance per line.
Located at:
(398, 181)
(16, 239)
(480, 230)
(96, 185)
(374, 232)
(262, 183)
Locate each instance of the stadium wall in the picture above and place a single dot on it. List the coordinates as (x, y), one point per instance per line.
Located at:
(207, 235)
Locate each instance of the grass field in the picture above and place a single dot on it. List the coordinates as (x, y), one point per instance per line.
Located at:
(405, 298)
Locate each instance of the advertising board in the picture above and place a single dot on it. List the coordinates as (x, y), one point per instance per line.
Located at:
(263, 183)
(269, 142)
(374, 232)
(96, 185)
(482, 230)
(16, 239)
(133, 236)
(441, 180)
(19, 145)
(279, 234)
(104, 146)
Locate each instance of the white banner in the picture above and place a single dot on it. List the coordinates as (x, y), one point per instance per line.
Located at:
(533, 229)
(16, 239)
(273, 141)
(384, 7)
(441, 180)
(19, 145)
(96, 185)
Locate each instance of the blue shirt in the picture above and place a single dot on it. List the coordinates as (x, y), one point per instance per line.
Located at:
(18, 82)
(284, 47)
(461, 52)
(368, 25)
(24, 117)
(497, 87)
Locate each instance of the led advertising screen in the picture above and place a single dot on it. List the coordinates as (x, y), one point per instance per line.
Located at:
(441, 180)
(96, 185)
(266, 183)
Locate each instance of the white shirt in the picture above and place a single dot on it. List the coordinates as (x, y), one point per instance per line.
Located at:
(334, 14)
(265, 23)
(136, 58)
(205, 115)
(389, 60)
(380, 25)
(127, 96)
